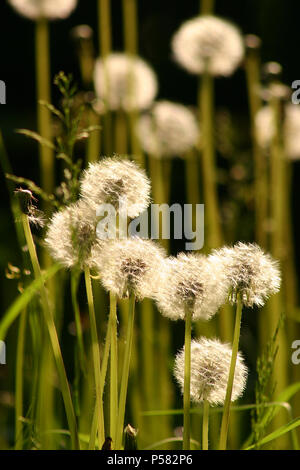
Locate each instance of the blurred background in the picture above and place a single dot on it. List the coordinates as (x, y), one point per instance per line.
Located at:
(274, 21)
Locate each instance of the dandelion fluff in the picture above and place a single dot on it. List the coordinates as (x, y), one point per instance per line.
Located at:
(266, 128)
(169, 129)
(117, 182)
(129, 265)
(210, 365)
(208, 43)
(125, 82)
(71, 235)
(48, 9)
(251, 272)
(191, 282)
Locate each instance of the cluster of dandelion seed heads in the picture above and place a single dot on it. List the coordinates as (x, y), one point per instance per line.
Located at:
(169, 129)
(266, 128)
(125, 82)
(192, 283)
(72, 234)
(116, 182)
(251, 273)
(210, 365)
(129, 266)
(48, 9)
(208, 43)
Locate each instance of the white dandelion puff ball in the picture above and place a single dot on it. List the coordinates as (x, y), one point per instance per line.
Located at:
(118, 182)
(48, 9)
(169, 129)
(125, 82)
(208, 43)
(265, 129)
(71, 234)
(192, 283)
(251, 272)
(210, 365)
(129, 266)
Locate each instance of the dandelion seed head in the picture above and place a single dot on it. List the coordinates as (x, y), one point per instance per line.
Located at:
(125, 82)
(118, 182)
(266, 128)
(71, 235)
(251, 272)
(208, 43)
(191, 282)
(129, 265)
(169, 129)
(49, 9)
(210, 365)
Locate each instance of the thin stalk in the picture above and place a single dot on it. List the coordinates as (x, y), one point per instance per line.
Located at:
(206, 106)
(252, 67)
(94, 141)
(74, 287)
(205, 421)
(43, 75)
(207, 7)
(105, 41)
(19, 382)
(113, 367)
(235, 348)
(96, 355)
(187, 382)
(121, 137)
(103, 376)
(130, 26)
(125, 372)
(53, 337)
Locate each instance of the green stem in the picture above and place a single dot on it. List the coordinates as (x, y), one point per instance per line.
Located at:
(74, 287)
(235, 347)
(43, 75)
(187, 382)
(49, 320)
(205, 425)
(19, 382)
(94, 141)
(207, 7)
(113, 367)
(130, 26)
(96, 355)
(206, 92)
(125, 372)
(103, 375)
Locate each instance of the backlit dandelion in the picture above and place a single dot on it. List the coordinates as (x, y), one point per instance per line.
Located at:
(210, 364)
(251, 273)
(117, 182)
(48, 9)
(169, 129)
(71, 235)
(129, 266)
(191, 282)
(125, 82)
(208, 43)
(265, 129)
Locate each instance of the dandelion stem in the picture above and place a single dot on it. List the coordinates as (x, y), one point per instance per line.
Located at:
(96, 355)
(214, 237)
(53, 337)
(43, 93)
(187, 382)
(113, 367)
(205, 424)
(235, 347)
(74, 287)
(125, 372)
(19, 382)
(207, 7)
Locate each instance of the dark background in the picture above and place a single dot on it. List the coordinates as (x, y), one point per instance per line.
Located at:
(275, 21)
